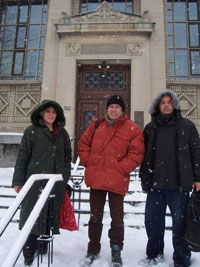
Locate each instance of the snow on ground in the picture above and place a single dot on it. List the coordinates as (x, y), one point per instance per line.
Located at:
(70, 247)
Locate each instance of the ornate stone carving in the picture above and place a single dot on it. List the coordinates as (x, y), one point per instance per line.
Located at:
(187, 104)
(72, 49)
(106, 14)
(26, 104)
(17, 101)
(135, 49)
(3, 103)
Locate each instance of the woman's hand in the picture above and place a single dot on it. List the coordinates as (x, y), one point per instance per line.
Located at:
(17, 188)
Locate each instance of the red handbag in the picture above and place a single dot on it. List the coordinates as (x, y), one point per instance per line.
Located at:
(67, 219)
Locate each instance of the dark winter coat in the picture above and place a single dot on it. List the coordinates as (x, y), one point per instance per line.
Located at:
(39, 153)
(111, 154)
(187, 149)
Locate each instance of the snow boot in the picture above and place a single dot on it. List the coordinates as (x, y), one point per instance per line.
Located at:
(116, 256)
(158, 260)
(89, 259)
(28, 261)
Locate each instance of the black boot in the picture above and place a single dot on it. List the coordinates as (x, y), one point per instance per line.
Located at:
(116, 256)
(29, 249)
(89, 259)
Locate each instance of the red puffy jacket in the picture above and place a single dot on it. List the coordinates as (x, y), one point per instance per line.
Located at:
(109, 155)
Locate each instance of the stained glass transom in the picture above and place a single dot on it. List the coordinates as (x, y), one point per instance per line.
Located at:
(104, 80)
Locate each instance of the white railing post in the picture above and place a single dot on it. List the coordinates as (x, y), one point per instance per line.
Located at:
(18, 245)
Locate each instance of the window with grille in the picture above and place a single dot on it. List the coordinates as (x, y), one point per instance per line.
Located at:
(183, 39)
(22, 36)
(118, 5)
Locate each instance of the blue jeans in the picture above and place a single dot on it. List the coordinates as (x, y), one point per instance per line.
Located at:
(155, 211)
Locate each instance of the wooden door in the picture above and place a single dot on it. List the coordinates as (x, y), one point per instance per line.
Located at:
(95, 84)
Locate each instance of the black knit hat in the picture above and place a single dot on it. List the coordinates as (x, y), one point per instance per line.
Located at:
(116, 99)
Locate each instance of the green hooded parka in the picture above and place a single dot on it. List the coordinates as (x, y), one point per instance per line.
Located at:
(39, 153)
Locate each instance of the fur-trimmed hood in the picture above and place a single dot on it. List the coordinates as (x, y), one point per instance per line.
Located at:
(154, 109)
(36, 117)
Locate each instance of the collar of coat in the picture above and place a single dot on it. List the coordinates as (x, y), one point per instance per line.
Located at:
(118, 121)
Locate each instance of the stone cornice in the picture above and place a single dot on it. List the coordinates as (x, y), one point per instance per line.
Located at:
(104, 21)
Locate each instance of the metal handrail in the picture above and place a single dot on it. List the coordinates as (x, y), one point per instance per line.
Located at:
(14, 253)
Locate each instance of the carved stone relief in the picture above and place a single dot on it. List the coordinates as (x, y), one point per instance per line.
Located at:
(135, 49)
(188, 99)
(72, 49)
(18, 101)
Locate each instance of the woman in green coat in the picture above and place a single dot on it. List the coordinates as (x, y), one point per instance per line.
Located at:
(45, 148)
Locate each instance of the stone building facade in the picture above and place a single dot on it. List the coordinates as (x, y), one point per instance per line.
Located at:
(80, 52)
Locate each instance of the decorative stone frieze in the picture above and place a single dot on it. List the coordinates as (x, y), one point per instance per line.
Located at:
(17, 101)
(187, 95)
(104, 20)
(105, 13)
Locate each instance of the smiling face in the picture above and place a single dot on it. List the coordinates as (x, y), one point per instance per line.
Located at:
(114, 111)
(166, 106)
(49, 116)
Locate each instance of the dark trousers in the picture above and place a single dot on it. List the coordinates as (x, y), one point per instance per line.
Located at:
(116, 232)
(155, 210)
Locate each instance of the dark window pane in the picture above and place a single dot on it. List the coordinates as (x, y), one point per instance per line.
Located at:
(34, 35)
(1, 36)
(169, 4)
(129, 10)
(194, 34)
(193, 11)
(11, 15)
(181, 62)
(170, 17)
(171, 69)
(171, 55)
(41, 42)
(41, 56)
(45, 7)
(9, 37)
(171, 41)
(87, 118)
(21, 37)
(23, 14)
(120, 6)
(40, 70)
(43, 30)
(179, 11)
(92, 6)
(180, 35)
(31, 62)
(170, 28)
(195, 59)
(6, 63)
(2, 17)
(18, 67)
(44, 17)
(36, 11)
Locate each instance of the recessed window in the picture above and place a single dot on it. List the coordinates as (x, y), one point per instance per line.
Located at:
(118, 5)
(22, 34)
(183, 39)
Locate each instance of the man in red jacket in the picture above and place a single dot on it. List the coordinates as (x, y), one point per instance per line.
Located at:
(109, 153)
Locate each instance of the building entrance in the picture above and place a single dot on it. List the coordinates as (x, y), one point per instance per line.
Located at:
(95, 84)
